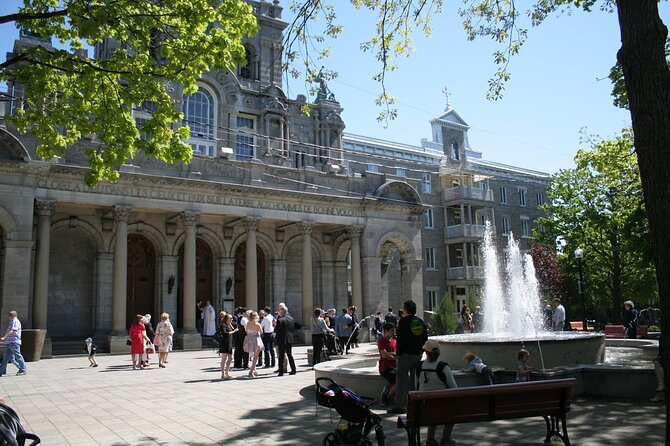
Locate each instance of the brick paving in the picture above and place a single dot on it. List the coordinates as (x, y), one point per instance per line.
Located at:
(67, 403)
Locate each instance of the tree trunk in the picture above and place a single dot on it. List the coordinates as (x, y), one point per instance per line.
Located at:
(617, 288)
(642, 58)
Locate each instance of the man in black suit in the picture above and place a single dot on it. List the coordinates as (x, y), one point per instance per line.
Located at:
(284, 339)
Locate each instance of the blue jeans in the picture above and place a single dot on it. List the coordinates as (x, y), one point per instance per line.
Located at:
(12, 354)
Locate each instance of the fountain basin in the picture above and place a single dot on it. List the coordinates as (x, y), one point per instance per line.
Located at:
(549, 350)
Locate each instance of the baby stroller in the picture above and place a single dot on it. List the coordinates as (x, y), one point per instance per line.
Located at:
(332, 345)
(357, 420)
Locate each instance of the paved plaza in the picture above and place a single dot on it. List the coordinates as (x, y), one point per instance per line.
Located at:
(67, 403)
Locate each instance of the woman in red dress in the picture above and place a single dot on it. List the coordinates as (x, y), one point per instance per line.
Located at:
(138, 338)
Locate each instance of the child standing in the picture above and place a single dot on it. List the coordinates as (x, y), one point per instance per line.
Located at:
(90, 348)
(475, 364)
(387, 362)
(522, 370)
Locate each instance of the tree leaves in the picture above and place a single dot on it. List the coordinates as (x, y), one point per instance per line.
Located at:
(147, 46)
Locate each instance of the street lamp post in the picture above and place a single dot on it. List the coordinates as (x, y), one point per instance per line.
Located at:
(579, 254)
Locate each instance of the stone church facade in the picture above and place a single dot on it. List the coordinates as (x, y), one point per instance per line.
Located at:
(266, 188)
(270, 187)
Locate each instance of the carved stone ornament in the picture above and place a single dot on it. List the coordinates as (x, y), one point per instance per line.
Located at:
(121, 213)
(306, 227)
(355, 231)
(189, 218)
(170, 86)
(251, 223)
(45, 207)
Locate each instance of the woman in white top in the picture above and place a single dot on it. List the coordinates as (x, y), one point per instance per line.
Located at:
(165, 332)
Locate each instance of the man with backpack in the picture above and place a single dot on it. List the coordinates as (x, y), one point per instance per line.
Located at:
(412, 333)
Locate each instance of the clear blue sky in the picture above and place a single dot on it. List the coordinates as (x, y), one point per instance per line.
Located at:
(553, 93)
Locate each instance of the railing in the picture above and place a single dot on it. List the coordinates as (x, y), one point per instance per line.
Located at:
(468, 193)
(464, 231)
(464, 273)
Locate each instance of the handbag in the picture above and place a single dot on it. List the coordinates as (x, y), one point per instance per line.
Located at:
(157, 339)
(149, 348)
(129, 342)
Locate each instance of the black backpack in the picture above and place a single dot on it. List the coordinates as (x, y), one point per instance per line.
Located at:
(439, 370)
(12, 432)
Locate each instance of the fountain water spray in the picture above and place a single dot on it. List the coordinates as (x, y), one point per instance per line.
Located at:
(513, 310)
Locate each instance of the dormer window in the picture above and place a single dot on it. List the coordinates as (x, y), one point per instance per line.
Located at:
(454, 151)
(248, 70)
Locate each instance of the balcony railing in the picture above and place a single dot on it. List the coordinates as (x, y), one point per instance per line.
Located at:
(464, 231)
(464, 273)
(468, 193)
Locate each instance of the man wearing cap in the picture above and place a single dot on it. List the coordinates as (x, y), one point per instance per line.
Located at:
(412, 333)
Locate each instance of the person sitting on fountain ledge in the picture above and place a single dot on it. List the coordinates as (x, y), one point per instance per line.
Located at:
(475, 364)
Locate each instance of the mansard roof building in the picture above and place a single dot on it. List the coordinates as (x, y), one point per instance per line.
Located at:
(276, 206)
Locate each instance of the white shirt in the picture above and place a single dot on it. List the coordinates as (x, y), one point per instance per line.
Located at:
(243, 321)
(559, 314)
(266, 323)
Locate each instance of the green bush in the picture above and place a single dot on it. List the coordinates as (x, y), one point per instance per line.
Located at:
(443, 317)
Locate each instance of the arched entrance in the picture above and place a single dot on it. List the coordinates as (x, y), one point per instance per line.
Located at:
(240, 276)
(204, 273)
(141, 277)
(391, 275)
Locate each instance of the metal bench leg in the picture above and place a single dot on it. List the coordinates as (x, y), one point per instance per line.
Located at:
(554, 428)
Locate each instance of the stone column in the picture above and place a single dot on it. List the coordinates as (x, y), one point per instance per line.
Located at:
(170, 269)
(45, 209)
(306, 229)
(251, 275)
(372, 272)
(119, 287)
(189, 338)
(356, 280)
(118, 336)
(16, 278)
(103, 299)
(278, 291)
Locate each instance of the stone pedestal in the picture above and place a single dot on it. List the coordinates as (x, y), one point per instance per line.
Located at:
(117, 345)
(32, 342)
(188, 341)
(47, 350)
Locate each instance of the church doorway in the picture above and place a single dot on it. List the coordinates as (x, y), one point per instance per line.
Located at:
(204, 273)
(140, 291)
(240, 277)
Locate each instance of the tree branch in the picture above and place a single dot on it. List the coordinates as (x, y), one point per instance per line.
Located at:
(20, 16)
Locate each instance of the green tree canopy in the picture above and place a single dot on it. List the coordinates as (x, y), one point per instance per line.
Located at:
(598, 206)
(153, 49)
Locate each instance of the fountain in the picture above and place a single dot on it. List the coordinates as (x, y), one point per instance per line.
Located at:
(513, 319)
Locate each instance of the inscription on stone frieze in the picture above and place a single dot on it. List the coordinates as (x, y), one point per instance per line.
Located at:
(193, 197)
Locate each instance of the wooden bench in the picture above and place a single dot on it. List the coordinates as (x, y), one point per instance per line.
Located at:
(617, 331)
(548, 399)
(579, 326)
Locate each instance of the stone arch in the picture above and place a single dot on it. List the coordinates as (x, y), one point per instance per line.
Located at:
(398, 192)
(11, 148)
(262, 240)
(90, 231)
(213, 240)
(152, 233)
(399, 239)
(317, 247)
(8, 224)
(342, 246)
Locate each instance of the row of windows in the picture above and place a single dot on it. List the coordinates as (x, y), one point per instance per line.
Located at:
(525, 226)
(393, 153)
(539, 197)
